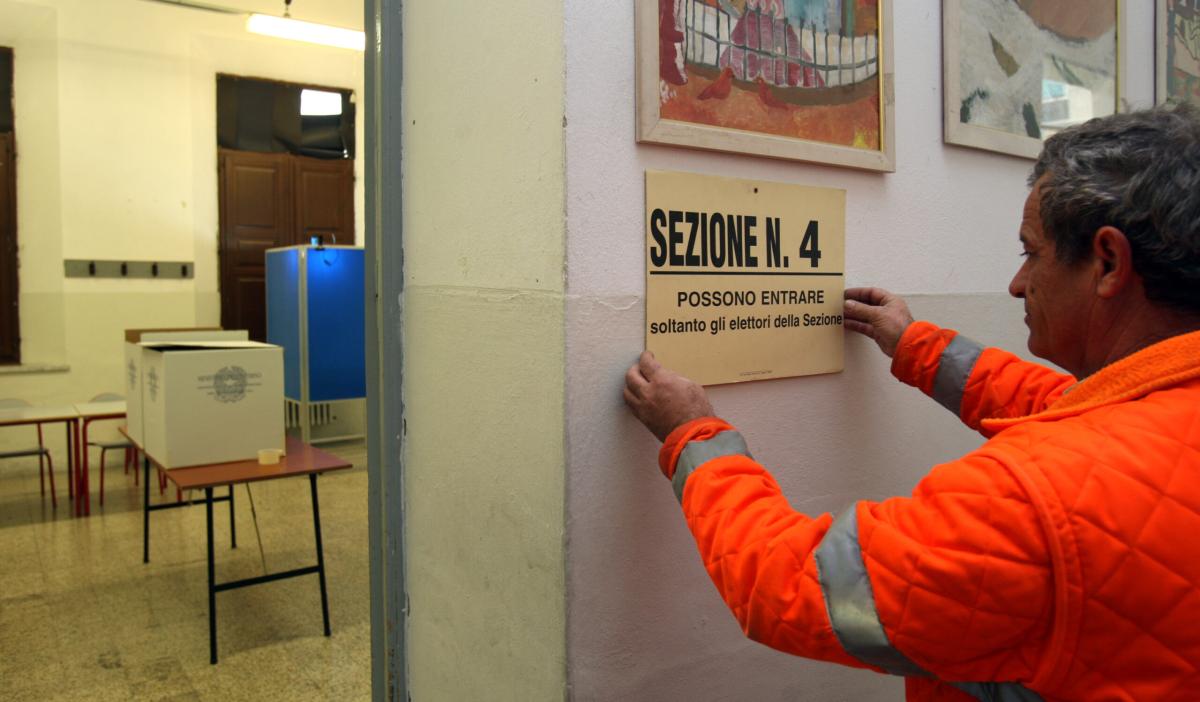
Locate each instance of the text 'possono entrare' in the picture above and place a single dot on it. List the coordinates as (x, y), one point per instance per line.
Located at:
(747, 298)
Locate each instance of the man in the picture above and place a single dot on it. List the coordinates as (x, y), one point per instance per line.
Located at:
(1057, 561)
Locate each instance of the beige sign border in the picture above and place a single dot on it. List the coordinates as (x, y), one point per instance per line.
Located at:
(744, 278)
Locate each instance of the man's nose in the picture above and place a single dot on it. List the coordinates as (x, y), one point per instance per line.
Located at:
(1016, 287)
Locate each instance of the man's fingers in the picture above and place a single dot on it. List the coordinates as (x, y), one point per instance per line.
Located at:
(660, 398)
(648, 365)
(860, 327)
(634, 380)
(855, 293)
(630, 399)
(860, 312)
(868, 296)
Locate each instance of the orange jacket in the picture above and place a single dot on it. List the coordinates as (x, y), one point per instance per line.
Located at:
(1053, 563)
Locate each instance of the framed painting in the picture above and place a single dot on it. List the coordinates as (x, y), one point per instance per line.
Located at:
(806, 80)
(1177, 51)
(1017, 71)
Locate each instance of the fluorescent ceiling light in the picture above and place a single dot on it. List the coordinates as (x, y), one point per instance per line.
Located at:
(318, 103)
(189, 4)
(286, 28)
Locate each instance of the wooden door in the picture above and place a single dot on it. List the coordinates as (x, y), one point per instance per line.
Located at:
(10, 329)
(256, 215)
(324, 199)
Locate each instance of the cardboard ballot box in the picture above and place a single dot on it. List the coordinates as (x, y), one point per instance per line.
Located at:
(211, 401)
(133, 364)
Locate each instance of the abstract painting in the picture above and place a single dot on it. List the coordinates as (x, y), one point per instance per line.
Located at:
(1178, 51)
(806, 80)
(1017, 71)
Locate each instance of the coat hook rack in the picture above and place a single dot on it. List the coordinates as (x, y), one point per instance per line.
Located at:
(97, 268)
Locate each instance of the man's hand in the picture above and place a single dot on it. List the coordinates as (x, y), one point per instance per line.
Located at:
(661, 398)
(878, 314)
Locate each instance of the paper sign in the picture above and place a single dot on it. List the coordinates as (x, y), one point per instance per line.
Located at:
(744, 278)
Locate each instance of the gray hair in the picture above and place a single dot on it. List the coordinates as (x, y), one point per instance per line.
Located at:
(1138, 172)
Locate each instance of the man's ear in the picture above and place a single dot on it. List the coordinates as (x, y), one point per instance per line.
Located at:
(1114, 257)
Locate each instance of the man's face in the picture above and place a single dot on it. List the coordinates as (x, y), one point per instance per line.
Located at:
(1058, 297)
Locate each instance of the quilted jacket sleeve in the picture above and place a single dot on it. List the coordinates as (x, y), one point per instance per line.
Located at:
(953, 582)
(974, 382)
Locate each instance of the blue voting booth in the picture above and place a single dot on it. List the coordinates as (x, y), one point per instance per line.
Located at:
(316, 311)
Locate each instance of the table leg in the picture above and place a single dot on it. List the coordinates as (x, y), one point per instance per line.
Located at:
(232, 524)
(81, 459)
(145, 509)
(72, 475)
(312, 481)
(80, 477)
(212, 584)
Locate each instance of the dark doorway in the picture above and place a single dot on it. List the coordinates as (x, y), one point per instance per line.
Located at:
(10, 325)
(285, 177)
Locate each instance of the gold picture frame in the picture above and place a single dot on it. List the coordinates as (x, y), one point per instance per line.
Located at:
(810, 96)
(1168, 61)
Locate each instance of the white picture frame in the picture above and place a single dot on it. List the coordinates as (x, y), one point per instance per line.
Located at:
(1028, 43)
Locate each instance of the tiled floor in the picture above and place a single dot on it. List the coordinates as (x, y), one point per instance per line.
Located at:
(82, 618)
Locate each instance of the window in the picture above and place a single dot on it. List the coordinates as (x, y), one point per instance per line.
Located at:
(266, 116)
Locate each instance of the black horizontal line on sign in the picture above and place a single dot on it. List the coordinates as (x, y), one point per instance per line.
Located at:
(739, 273)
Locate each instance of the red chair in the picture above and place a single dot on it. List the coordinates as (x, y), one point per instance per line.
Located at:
(106, 446)
(130, 454)
(43, 453)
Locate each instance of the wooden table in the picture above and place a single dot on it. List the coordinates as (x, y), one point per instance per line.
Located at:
(16, 416)
(91, 412)
(301, 460)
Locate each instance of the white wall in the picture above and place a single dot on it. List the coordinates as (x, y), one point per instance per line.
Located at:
(115, 107)
(644, 622)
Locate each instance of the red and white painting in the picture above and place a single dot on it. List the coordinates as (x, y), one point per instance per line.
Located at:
(803, 69)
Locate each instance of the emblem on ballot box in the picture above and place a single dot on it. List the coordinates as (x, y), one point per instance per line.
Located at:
(152, 384)
(131, 369)
(230, 384)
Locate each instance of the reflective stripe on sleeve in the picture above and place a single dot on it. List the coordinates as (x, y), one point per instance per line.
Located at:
(999, 692)
(850, 600)
(697, 453)
(955, 366)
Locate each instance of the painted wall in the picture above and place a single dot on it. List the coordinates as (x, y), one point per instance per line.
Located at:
(644, 621)
(484, 237)
(115, 105)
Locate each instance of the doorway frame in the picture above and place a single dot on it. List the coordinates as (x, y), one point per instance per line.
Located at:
(384, 243)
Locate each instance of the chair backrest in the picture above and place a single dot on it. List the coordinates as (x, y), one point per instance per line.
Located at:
(108, 397)
(17, 403)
